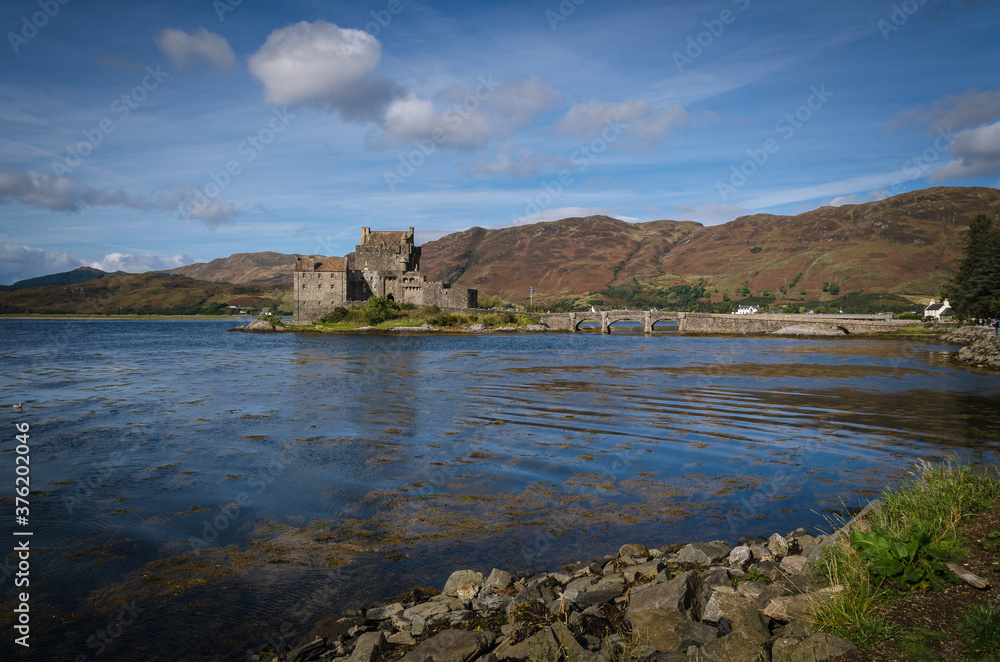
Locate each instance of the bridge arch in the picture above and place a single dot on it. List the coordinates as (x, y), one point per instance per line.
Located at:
(665, 326)
(592, 319)
(627, 322)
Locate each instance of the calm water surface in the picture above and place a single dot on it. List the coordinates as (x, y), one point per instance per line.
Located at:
(229, 487)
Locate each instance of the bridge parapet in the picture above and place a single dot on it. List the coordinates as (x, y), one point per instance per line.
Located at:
(715, 323)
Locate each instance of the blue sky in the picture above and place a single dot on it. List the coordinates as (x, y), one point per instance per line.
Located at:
(159, 134)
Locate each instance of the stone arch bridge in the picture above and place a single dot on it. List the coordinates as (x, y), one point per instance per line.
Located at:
(723, 324)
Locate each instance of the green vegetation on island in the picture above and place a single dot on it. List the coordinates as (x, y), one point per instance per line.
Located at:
(383, 313)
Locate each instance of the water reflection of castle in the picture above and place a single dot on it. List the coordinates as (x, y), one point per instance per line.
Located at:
(387, 264)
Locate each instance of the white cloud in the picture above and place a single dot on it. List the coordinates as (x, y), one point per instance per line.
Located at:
(590, 120)
(465, 118)
(859, 199)
(201, 46)
(18, 262)
(976, 152)
(711, 213)
(63, 194)
(952, 112)
(321, 63)
(559, 213)
(139, 263)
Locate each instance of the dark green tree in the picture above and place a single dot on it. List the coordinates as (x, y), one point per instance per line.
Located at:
(975, 289)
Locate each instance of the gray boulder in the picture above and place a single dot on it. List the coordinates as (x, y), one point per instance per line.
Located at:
(658, 610)
(778, 545)
(820, 646)
(499, 579)
(738, 645)
(452, 646)
(368, 646)
(738, 611)
(704, 553)
(464, 581)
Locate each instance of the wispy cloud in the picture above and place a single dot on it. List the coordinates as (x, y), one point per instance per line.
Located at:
(199, 47)
(587, 120)
(468, 118)
(952, 112)
(62, 194)
(513, 161)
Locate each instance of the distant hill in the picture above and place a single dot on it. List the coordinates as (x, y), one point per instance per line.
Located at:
(78, 275)
(905, 244)
(143, 294)
(267, 269)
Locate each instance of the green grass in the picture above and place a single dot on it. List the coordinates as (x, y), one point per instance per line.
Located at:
(981, 631)
(937, 501)
(916, 643)
(384, 314)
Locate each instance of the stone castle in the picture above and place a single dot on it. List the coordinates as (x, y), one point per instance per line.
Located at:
(387, 264)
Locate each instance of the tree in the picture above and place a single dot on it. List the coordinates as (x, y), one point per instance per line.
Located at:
(975, 289)
(834, 289)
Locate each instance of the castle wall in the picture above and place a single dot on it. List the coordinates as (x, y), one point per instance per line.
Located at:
(317, 293)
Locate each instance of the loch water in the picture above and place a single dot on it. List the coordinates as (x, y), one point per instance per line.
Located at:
(196, 494)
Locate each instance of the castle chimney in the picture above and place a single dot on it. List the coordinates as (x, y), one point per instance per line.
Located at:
(364, 235)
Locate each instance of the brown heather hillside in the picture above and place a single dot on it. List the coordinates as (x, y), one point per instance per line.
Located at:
(138, 294)
(905, 244)
(559, 258)
(267, 269)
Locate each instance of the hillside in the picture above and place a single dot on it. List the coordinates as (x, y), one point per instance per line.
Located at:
(266, 269)
(78, 275)
(138, 294)
(905, 244)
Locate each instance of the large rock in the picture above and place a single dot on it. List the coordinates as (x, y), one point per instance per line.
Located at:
(738, 645)
(308, 651)
(634, 573)
(658, 610)
(703, 553)
(384, 613)
(820, 646)
(634, 551)
(800, 607)
(420, 615)
(740, 556)
(760, 593)
(778, 545)
(542, 646)
(738, 611)
(368, 646)
(461, 580)
(499, 579)
(452, 646)
(794, 565)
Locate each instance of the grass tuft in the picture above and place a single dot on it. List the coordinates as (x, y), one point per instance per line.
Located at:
(981, 630)
(935, 503)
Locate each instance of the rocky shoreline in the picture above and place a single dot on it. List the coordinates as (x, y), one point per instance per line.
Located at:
(982, 345)
(699, 601)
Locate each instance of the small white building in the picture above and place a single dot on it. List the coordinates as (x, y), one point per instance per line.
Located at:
(936, 311)
(745, 310)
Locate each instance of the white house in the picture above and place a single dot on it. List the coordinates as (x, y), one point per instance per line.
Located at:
(937, 310)
(745, 310)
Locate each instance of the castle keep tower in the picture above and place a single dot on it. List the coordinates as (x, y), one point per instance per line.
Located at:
(387, 264)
